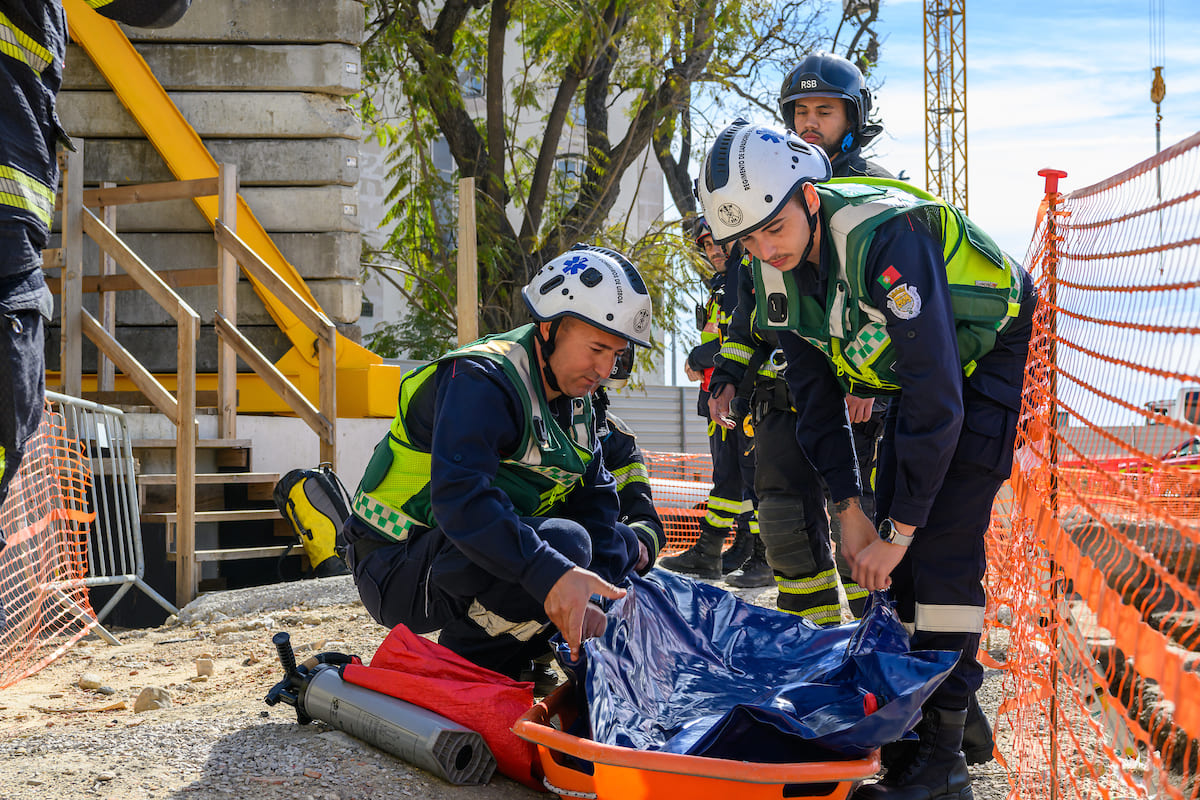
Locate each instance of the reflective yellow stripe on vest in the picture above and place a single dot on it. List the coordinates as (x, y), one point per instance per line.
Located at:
(17, 44)
(631, 473)
(20, 190)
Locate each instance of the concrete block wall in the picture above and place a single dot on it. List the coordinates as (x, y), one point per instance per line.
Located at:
(266, 84)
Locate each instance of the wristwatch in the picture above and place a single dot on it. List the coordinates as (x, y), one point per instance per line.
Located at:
(888, 532)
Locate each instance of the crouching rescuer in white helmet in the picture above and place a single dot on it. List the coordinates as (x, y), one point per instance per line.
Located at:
(880, 289)
(487, 512)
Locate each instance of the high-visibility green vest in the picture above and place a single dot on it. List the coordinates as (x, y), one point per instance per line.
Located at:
(394, 493)
(985, 284)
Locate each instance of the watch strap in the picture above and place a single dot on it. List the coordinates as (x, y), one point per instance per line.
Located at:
(890, 534)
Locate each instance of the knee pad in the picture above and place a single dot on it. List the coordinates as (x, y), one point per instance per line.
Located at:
(569, 538)
(795, 544)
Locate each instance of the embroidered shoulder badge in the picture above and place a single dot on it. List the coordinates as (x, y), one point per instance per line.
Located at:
(904, 301)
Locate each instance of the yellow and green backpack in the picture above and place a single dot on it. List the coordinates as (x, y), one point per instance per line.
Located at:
(316, 503)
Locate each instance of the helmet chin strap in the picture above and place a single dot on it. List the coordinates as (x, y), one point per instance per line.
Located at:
(813, 221)
(547, 344)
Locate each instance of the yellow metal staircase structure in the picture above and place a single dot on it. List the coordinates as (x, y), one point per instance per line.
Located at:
(366, 387)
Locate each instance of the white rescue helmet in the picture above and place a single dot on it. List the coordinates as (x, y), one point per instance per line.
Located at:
(596, 285)
(750, 172)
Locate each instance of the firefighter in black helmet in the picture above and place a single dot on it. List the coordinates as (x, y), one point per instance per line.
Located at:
(825, 100)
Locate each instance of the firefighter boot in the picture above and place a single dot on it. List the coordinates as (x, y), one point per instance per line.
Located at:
(978, 743)
(894, 756)
(936, 771)
(703, 559)
(541, 674)
(756, 571)
(739, 551)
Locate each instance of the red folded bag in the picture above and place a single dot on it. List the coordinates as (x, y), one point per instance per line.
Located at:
(428, 675)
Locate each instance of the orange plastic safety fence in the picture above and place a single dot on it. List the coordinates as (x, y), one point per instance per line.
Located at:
(680, 483)
(1093, 565)
(46, 521)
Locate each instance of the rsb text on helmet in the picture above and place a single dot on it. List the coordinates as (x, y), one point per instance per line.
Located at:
(810, 84)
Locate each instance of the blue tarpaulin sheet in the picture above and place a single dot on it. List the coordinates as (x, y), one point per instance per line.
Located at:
(685, 667)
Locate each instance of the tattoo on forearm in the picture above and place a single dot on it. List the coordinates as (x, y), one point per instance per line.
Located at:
(842, 506)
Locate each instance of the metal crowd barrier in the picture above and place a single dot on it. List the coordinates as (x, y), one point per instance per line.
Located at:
(114, 549)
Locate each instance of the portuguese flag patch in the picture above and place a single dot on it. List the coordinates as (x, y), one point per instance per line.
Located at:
(889, 276)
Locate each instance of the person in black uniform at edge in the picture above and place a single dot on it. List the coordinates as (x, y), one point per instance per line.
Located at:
(732, 456)
(487, 512)
(624, 459)
(31, 66)
(825, 100)
(945, 338)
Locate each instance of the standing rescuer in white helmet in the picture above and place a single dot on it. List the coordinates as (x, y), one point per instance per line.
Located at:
(878, 288)
(825, 100)
(487, 511)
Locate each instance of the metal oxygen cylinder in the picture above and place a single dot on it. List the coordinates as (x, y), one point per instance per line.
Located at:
(414, 734)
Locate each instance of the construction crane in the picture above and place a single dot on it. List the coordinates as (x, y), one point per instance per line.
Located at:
(946, 100)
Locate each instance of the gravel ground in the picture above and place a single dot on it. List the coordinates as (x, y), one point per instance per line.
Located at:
(217, 738)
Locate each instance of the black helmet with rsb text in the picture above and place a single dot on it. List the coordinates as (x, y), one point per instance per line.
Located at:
(829, 75)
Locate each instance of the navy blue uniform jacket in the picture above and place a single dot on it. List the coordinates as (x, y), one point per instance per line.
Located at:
(30, 131)
(930, 413)
(477, 420)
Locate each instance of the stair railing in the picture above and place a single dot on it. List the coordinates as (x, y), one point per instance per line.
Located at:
(180, 407)
(322, 418)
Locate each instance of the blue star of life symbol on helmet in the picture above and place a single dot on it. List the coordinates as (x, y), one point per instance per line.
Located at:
(575, 264)
(770, 136)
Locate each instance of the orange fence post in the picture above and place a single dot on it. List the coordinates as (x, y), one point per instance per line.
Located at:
(1051, 262)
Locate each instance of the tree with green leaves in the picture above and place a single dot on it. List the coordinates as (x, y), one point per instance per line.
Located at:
(505, 87)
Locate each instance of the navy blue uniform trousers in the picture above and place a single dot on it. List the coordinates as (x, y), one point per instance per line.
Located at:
(946, 562)
(733, 477)
(428, 584)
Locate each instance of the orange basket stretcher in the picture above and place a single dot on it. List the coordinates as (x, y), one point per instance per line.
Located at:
(621, 773)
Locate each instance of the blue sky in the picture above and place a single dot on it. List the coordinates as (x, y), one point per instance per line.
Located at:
(1052, 84)
(1049, 84)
